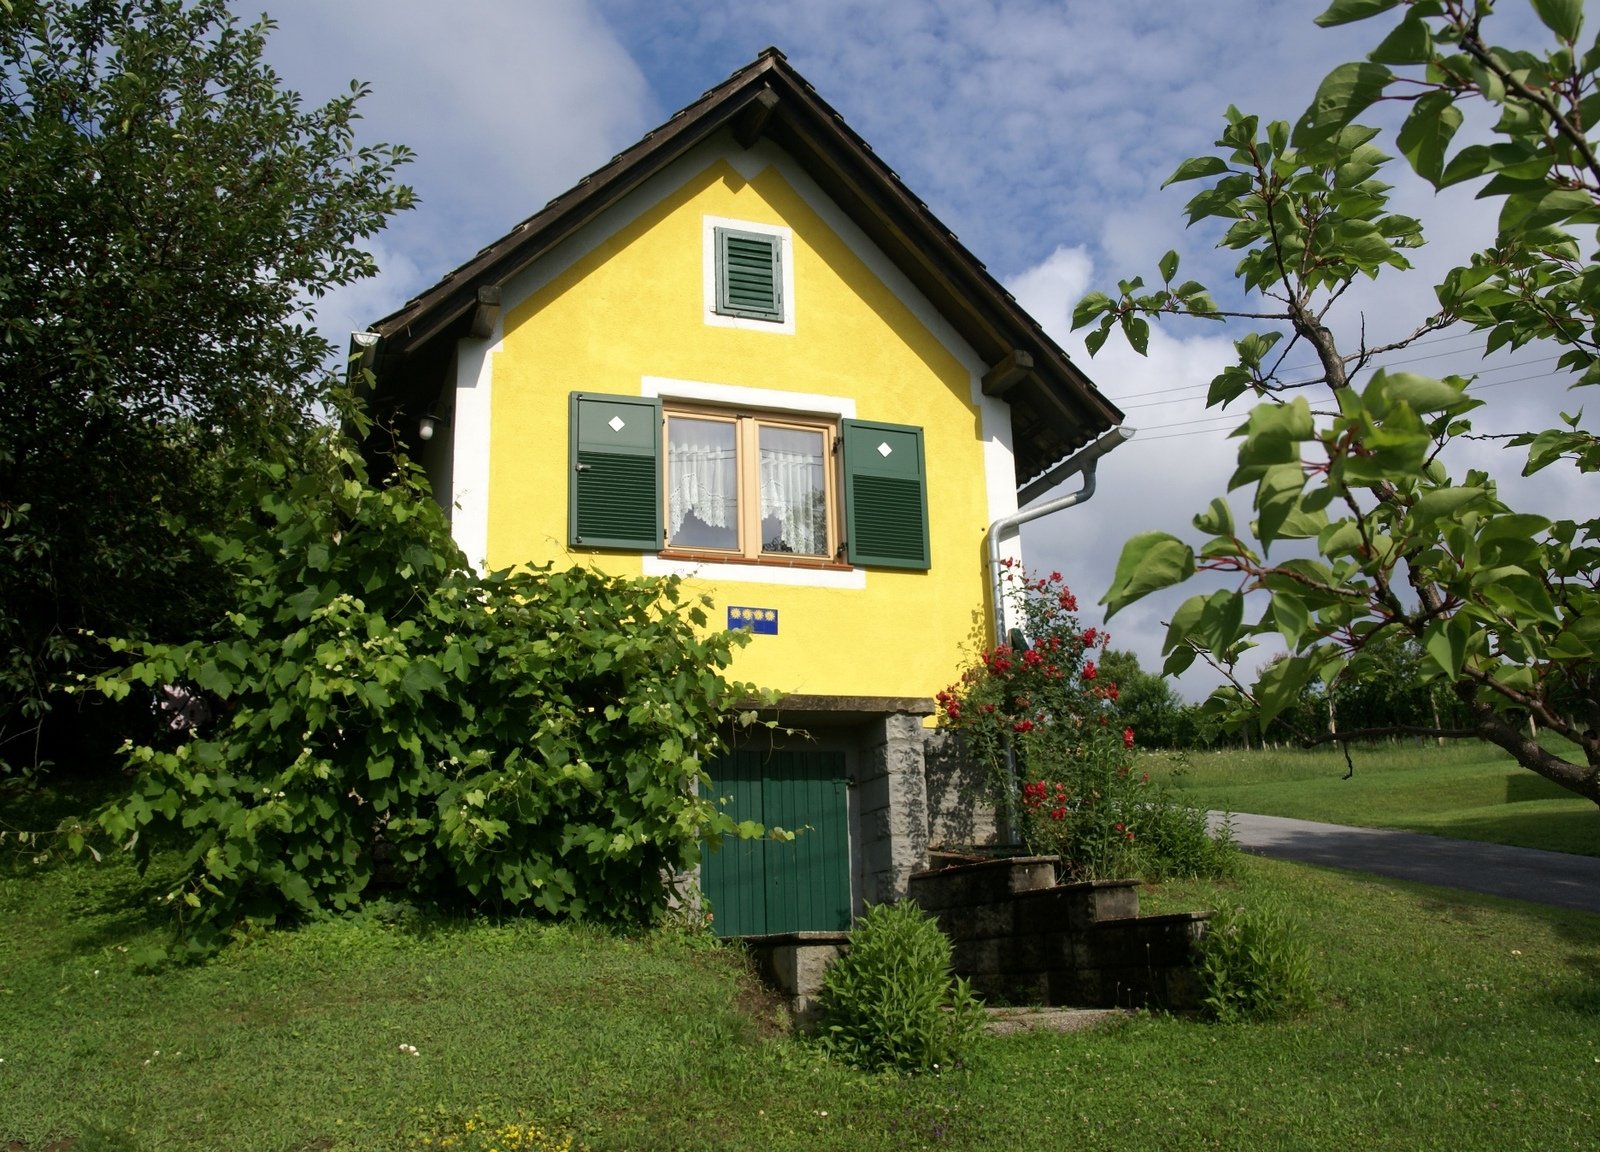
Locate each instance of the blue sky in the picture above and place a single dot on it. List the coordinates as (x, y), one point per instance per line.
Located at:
(1038, 130)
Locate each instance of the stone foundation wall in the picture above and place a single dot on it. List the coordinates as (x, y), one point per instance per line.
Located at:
(893, 808)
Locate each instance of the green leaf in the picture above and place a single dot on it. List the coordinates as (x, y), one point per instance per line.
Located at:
(1169, 267)
(1349, 11)
(1541, 206)
(1440, 503)
(1563, 17)
(1217, 519)
(1149, 561)
(1345, 93)
(1183, 623)
(1411, 42)
(1277, 496)
(1092, 305)
(1422, 393)
(1278, 686)
(213, 679)
(1137, 330)
(1427, 132)
(1197, 167)
(1290, 617)
(1445, 642)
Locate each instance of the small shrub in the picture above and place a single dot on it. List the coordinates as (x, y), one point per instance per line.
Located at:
(891, 1002)
(1176, 843)
(1255, 965)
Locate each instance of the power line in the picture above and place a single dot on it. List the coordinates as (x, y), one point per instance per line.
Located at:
(1121, 401)
(1234, 419)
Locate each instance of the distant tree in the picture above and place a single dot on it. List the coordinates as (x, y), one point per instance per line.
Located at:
(168, 212)
(1145, 701)
(1502, 605)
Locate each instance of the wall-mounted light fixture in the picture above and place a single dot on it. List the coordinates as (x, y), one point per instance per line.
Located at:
(427, 425)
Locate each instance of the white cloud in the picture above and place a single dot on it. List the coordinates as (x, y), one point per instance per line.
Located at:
(504, 104)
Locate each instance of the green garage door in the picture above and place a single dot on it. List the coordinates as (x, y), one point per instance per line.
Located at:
(757, 887)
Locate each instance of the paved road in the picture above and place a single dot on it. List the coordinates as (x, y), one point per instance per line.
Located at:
(1557, 878)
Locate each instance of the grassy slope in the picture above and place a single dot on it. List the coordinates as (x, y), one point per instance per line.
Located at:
(1451, 1022)
(1468, 790)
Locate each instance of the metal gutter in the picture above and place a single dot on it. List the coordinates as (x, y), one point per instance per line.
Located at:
(1084, 461)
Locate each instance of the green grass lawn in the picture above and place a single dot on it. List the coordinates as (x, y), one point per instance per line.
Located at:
(1448, 1021)
(1469, 790)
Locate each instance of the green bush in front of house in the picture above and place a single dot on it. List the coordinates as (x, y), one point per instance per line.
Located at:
(523, 741)
(891, 1002)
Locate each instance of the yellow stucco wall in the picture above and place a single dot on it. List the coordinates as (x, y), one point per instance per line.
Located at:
(633, 307)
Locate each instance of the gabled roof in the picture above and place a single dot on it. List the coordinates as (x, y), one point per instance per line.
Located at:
(1055, 408)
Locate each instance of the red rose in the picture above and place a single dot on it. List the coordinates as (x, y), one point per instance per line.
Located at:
(1127, 737)
(1089, 670)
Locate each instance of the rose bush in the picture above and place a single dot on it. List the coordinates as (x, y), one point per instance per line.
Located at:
(1038, 717)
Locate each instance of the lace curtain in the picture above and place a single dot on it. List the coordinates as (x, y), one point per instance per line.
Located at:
(702, 481)
(703, 487)
(793, 492)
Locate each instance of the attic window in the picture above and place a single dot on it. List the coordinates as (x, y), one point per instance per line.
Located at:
(748, 279)
(749, 275)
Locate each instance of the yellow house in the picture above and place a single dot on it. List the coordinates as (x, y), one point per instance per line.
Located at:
(744, 353)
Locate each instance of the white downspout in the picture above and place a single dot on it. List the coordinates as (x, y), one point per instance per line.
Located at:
(1084, 461)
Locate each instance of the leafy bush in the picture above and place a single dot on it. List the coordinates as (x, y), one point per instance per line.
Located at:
(1176, 842)
(1042, 720)
(527, 741)
(1255, 965)
(890, 1002)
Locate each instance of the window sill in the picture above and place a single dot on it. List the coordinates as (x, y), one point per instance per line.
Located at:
(814, 563)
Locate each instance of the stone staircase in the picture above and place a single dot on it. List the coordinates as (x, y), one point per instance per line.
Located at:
(1021, 938)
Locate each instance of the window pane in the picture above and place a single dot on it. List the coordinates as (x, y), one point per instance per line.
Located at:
(794, 496)
(702, 484)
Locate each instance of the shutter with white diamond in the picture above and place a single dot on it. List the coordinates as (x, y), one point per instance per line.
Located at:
(885, 495)
(614, 497)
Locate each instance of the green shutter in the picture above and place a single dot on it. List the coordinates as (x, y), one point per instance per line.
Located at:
(614, 500)
(885, 495)
(749, 275)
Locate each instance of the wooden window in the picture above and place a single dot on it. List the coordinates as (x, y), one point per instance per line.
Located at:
(765, 487)
(753, 486)
(749, 274)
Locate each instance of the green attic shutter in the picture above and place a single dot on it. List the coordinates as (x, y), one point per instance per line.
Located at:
(749, 275)
(885, 495)
(614, 500)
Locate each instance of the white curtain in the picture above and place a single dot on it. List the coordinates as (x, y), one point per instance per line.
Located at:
(793, 491)
(702, 476)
